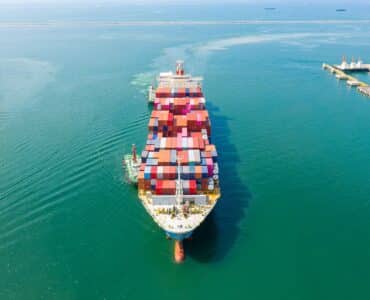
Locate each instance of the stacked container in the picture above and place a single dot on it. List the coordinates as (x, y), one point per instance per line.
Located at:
(179, 134)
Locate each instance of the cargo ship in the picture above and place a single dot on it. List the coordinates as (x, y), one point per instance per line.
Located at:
(178, 174)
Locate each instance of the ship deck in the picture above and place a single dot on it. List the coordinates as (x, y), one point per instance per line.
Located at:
(179, 222)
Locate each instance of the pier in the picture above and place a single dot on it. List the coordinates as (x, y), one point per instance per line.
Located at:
(364, 90)
(352, 81)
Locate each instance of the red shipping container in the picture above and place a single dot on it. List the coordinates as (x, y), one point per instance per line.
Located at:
(147, 184)
(204, 184)
(195, 142)
(192, 187)
(172, 172)
(165, 172)
(153, 172)
(165, 187)
(170, 119)
(158, 187)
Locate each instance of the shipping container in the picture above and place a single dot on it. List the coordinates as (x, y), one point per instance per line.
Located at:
(179, 133)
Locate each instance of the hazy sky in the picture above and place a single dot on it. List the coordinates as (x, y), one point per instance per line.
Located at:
(276, 2)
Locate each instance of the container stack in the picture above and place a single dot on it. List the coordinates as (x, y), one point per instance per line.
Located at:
(179, 137)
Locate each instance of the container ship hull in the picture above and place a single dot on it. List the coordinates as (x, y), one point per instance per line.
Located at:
(178, 178)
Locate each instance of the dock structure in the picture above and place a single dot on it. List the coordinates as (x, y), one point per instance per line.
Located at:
(353, 66)
(352, 81)
(364, 90)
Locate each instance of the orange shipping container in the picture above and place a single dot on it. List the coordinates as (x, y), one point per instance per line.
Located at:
(183, 155)
(172, 143)
(152, 122)
(198, 172)
(181, 121)
(164, 157)
(210, 148)
(180, 101)
(162, 92)
(208, 154)
(181, 92)
(149, 148)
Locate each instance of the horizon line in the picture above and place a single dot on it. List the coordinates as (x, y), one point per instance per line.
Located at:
(20, 24)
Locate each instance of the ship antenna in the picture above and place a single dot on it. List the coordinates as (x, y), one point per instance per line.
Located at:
(180, 67)
(179, 190)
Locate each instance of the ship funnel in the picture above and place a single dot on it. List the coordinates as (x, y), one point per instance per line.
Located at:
(180, 67)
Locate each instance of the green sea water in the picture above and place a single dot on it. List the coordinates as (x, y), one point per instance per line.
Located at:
(293, 143)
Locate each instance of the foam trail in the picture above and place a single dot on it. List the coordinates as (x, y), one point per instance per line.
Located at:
(224, 44)
(196, 55)
(143, 80)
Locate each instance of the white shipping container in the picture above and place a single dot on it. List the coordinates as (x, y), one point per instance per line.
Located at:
(191, 155)
(163, 143)
(160, 172)
(196, 156)
(163, 200)
(197, 199)
(184, 143)
(190, 143)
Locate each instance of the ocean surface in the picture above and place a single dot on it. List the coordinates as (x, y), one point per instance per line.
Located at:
(294, 147)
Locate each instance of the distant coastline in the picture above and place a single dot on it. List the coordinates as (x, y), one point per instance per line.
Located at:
(173, 23)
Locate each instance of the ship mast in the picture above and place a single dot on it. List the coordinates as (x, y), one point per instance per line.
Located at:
(179, 190)
(133, 150)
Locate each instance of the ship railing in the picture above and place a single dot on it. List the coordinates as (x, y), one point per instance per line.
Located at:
(180, 84)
